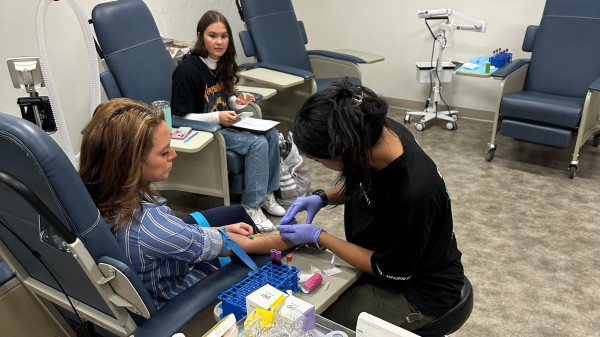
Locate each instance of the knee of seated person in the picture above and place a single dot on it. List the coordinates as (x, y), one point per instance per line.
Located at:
(260, 143)
(272, 134)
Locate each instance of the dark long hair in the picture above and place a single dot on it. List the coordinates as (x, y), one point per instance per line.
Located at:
(344, 122)
(227, 68)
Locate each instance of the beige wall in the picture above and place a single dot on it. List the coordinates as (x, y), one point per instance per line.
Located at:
(392, 28)
(387, 27)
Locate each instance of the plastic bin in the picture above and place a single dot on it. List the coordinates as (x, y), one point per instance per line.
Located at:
(424, 72)
(233, 300)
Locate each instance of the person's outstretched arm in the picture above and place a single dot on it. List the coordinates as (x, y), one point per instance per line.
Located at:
(260, 244)
(356, 256)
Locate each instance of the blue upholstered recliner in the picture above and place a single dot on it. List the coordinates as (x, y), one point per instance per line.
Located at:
(554, 97)
(277, 40)
(140, 67)
(52, 236)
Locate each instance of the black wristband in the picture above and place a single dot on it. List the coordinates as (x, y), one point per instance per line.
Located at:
(322, 195)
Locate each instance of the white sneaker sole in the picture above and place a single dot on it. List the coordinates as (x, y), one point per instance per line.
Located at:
(273, 212)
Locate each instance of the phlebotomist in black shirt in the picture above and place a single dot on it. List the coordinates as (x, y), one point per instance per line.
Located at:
(398, 218)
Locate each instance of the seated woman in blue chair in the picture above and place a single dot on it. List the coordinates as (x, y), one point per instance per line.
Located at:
(203, 89)
(397, 211)
(125, 148)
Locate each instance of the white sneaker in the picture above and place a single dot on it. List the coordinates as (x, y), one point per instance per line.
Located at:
(260, 220)
(272, 207)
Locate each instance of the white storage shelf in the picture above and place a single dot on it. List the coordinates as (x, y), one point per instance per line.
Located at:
(424, 71)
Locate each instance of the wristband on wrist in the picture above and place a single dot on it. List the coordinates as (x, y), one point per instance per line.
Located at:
(321, 193)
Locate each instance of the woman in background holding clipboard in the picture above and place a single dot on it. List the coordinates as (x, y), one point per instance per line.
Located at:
(203, 89)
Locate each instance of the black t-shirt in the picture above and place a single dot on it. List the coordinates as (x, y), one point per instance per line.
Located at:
(195, 89)
(406, 219)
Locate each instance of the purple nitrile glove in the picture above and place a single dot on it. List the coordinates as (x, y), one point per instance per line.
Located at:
(298, 234)
(312, 204)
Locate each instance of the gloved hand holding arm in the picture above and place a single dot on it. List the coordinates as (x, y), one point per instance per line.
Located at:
(312, 204)
(355, 255)
(299, 234)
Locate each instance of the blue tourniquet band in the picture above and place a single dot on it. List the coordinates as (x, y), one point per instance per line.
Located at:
(202, 222)
(200, 219)
(231, 245)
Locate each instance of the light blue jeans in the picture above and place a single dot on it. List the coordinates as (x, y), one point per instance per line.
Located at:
(261, 166)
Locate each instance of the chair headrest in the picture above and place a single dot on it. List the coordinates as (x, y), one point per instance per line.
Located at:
(134, 50)
(277, 35)
(583, 8)
(564, 60)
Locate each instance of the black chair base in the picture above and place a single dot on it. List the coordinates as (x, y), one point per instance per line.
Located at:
(453, 319)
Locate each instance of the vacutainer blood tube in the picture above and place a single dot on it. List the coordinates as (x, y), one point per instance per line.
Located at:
(289, 261)
(273, 255)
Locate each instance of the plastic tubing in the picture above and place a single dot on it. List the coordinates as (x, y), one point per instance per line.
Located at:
(49, 79)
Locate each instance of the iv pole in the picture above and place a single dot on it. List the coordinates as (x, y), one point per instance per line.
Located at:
(431, 109)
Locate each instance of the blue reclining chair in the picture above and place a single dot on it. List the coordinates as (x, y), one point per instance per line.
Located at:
(554, 96)
(277, 40)
(140, 68)
(53, 237)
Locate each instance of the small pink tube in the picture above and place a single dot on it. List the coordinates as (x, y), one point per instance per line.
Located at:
(311, 283)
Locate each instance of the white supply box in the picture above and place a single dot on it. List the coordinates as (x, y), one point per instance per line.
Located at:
(263, 298)
(426, 69)
(294, 308)
(371, 326)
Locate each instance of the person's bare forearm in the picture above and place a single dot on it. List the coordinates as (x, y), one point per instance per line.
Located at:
(261, 244)
(356, 256)
(334, 195)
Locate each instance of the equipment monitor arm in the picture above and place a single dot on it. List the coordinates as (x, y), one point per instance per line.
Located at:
(475, 25)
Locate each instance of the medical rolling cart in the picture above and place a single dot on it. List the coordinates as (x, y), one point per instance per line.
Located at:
(439, 71)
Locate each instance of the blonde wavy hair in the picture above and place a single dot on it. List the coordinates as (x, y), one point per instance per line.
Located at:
(115, 145)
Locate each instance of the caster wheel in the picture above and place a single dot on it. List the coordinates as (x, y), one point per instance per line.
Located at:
(420, 126)
(451, 126)
(407, 119)
(596, 140)
(489, 154)
(572, 171)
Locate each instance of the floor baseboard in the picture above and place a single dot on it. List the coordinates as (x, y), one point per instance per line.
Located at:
(407, 105)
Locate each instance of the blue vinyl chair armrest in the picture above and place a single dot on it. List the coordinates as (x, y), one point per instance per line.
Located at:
(336, 55)
(183, 308)
(109, 83)
(278, 67)
(248, 66)
(509, 68)
(195, 125)
(595, 85)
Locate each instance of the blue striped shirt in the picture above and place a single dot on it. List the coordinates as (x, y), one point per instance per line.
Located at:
(168, 254)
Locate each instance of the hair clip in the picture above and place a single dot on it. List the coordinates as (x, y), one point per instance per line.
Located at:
(357, 98)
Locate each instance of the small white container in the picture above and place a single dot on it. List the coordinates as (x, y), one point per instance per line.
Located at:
(424, 71)
(263, 298)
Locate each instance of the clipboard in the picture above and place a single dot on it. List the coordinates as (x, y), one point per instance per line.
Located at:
(255, 125)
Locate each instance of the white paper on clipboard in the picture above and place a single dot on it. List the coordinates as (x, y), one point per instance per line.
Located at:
(255, 124)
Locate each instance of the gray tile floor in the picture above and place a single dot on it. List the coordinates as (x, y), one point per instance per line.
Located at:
(530, 236)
